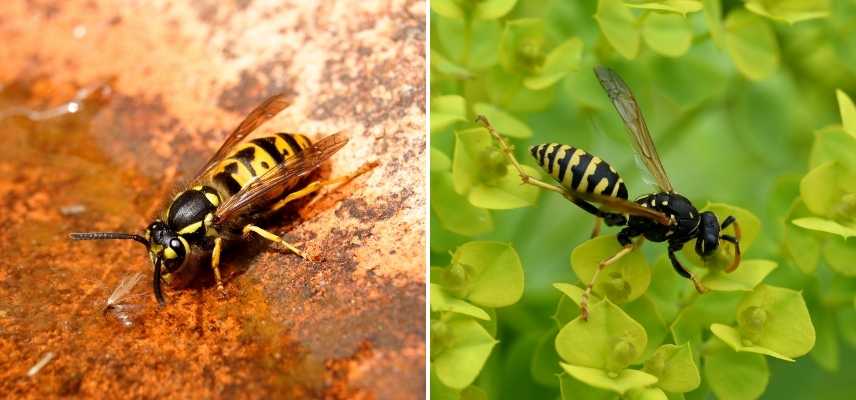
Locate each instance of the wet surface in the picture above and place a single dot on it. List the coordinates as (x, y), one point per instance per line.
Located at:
(105, 111)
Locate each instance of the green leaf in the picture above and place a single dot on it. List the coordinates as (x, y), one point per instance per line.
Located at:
(472, 151)
(846, 318)
(574, 389)
(745, 278)
(644, 311)
(448, 8)
(618, 26)
(506, 193)
(750, 227)
(619, 382)
(751, 43)
(674, 368)
(451, 35)
(777, 319)
(667, 34)
(694, 320)
(447, 110)
(736, 376)
(622, 281)
(833, 144)
(823, 188)
(563, 59)
(442, 301)
(802, 245)
(731, 337)
(463, 349)
(678, 6)
(848, 112)
(493, 273)
(648, 393)
(825, 225)
(573, 292)
(440, 162)
(484, 44)
(840, 255)
(503, 122)
(522, 47)
(609, 340)
(713, 16)
(667, 288)
(439, 391)
(505, 89)
(825, 351)
(453, 211)
(567, 309)
(790, 11)
(443, 65)
(545, 362)
(492, 9)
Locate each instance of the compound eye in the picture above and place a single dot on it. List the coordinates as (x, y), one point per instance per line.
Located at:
(175, 244)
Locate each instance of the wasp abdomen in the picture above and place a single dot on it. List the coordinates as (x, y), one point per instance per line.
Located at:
(255, 158)
(579, 171)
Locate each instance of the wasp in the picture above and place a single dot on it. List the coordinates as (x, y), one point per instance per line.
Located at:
(243, 183)
(586, 180)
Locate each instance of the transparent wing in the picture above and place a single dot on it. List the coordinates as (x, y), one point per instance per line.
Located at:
(623, 206)
(261, 114)
(291, 169)
(630, 113)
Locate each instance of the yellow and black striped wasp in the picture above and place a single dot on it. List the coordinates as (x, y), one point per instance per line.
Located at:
(585, 179)
(242, 184)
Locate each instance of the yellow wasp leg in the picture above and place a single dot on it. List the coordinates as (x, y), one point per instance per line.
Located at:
(215, 262)
(596, 231)
(272, 237)
(526, 178)
(603, 264)
(317, 185)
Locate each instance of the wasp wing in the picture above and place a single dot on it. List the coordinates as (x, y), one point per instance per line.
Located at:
(627, 107)
(290, 170)
(623, 206)
(261, 114)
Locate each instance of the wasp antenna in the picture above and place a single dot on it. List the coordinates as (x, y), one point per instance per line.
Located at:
(107, 236)
(156, 283)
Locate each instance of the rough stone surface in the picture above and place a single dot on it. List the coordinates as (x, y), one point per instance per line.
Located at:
(176, 78)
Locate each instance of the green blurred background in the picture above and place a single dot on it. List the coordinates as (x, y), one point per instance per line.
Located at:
(726, 132)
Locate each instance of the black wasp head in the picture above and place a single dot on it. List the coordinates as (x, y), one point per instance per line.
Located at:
(708, 234)
(166, 246)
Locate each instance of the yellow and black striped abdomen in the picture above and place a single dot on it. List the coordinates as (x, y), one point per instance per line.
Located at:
(253, 159)
(579, 171)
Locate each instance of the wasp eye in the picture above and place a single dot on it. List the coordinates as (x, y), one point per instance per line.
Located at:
(175, 243)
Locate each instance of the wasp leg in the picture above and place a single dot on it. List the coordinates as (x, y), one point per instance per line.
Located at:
(272, 237)
(506, 149)
(596, 230)
(611, 219)
(625, 238)
(215, 263)
(735, 240)
(318, 185)
(603, 264)
(682, 271)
